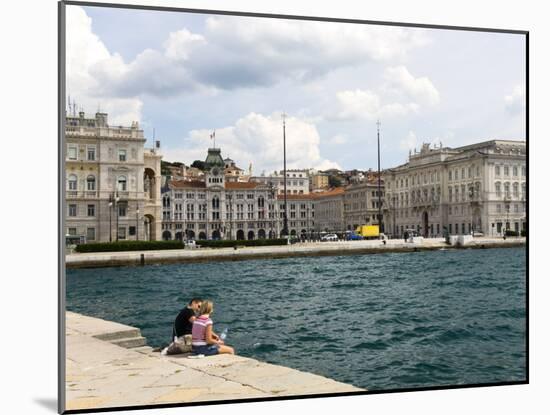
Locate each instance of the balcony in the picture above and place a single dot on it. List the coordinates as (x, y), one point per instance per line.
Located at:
(82, 194)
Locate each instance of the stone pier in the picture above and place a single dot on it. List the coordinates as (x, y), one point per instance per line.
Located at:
(109, 365)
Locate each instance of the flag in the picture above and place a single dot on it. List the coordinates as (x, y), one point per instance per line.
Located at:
(213, 135)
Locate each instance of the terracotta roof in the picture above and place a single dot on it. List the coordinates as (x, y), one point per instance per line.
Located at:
(302, 196)
(241, 185)
(185, 184)
(329, 193)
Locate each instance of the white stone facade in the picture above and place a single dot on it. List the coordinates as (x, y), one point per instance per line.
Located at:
(476, 188)
(112, 183)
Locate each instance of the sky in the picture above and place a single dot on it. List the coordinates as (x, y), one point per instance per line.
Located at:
(185, 75)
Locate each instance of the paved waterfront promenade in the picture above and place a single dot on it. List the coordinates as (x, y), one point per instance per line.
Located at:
(103, 259)
(108, 365)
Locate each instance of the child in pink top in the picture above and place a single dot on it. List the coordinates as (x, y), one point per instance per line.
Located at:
(205, 341)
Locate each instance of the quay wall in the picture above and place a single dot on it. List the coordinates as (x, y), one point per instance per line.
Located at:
(136, 258)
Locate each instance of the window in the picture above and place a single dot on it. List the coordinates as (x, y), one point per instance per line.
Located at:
(122, 184)
(73, 182)
(499, 208)
(506, 170)
(515, 171)
(90, 234)
(523, 171)
(463, 174)
(91, 153)
(72, 231)
(132, 229)
(450, 175)
(72, 152)
(515, 188)
(122, 210)
(121, 232)
(121, 155)
(497, 170)
(456, 176)
(90, 182)
(507, 189)
(72, 210)
(91, 210)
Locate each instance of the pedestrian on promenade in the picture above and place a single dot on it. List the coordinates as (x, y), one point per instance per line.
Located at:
(406, 236)
(205, 340)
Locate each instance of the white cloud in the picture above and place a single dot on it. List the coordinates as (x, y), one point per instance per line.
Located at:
(420, 90)
(257, 139)
(409, 142)
(515, 102)
(180, 44)
(85, 51)
(233, 52)
(401, 94)
(338, 139)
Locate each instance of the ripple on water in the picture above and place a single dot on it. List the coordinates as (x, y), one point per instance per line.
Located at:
(382, 321)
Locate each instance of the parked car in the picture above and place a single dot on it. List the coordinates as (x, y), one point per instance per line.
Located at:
(329, 237)
(354, 237)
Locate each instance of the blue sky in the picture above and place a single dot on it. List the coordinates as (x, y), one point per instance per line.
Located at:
(189, 74)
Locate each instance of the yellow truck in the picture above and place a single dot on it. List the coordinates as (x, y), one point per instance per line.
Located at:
(368, 231)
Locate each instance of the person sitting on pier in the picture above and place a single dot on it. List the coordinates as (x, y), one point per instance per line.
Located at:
(205, 340)
(181, 330)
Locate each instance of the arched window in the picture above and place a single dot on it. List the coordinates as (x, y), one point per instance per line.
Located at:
(215, 202)
(121, 183)
(73, 181)
(515, 189)
(261, 202)
(498, 189)
(523, 189)
(90, 182)
(507, 189)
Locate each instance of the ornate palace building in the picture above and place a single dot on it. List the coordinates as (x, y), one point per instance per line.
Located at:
(112, 182)
(480, 187)
(220, 207)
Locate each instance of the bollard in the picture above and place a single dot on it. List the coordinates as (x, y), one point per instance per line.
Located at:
(142, 259)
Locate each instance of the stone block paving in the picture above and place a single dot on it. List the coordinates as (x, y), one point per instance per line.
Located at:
(101, 374)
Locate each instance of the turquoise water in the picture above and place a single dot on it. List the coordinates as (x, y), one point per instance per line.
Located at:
(384, 321)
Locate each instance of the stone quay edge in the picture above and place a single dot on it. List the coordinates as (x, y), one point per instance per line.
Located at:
(109, 259)
(103, 372)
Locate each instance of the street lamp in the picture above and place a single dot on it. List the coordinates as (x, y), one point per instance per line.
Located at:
(110, 214)
(285, 215)
(117, 214)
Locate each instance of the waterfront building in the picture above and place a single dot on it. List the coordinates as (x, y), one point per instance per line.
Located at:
(480, 187)
(112, 181)
(215, 208)
(361, 203)
(301, 214)
(329, 210)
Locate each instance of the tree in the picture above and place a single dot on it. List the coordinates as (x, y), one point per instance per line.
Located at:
(334, 181)
(198, 164)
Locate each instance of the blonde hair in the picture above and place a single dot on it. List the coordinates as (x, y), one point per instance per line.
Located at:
(207, 307)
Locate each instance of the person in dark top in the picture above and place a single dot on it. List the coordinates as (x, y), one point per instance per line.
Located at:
(184, 320)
